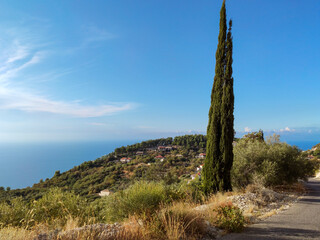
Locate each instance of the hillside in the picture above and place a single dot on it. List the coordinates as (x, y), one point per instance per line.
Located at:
(167, 159)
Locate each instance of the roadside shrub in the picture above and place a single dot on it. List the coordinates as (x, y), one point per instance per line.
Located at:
(181, 220)
(175, 221)
(230, 218)
(271, 162)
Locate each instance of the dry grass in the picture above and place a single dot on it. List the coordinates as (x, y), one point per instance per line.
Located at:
(14, 233)
(177, 221)
(208, 209)
(180, 220)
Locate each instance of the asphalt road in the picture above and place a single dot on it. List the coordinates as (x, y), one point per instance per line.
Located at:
(301, 221)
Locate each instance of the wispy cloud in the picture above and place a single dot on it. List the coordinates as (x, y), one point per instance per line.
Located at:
(19, 52)
(20, 100)
(18, 58)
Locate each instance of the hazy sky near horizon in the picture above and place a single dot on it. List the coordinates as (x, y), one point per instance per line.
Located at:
(103, 70)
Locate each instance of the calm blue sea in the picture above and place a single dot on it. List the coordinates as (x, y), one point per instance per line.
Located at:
(24, 164)
(304, 145)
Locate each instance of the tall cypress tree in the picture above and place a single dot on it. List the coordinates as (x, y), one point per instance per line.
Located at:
(220, 133)
(213, 168)
(227, 118)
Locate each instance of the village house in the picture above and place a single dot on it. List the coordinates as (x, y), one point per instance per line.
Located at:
(159, 157)
(161, 148)
(139, 153)
(105, 192)
(125, 160)
(202, 155)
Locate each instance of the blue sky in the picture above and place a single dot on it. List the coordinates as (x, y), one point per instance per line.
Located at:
(104, 70)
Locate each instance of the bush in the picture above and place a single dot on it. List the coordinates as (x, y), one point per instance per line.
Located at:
(230, 218)
(141, 198)
(272, 162)
(56, 207)
(13, 213)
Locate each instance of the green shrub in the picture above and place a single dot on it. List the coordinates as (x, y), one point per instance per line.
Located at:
(272, 162)
(13, 213)
(230, 218)
(56, 207)
(141, 198)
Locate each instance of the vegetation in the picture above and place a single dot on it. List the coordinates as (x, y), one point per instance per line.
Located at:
(230, 218)
(142, 198)
(271, 163)
(157, 201)
(107, 172)
(220, 133)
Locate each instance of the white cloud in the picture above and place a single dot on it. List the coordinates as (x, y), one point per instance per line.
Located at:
(19, 57)
(247, 129)
(287, 129)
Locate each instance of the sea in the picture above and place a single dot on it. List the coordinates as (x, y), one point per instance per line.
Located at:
(23, 164)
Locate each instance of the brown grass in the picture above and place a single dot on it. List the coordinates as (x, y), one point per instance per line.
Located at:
(13, 233)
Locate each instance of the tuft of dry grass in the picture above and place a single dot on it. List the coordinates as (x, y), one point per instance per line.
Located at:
(180, 220)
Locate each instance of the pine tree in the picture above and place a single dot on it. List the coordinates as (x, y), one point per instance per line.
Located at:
(220, 132)
(213, 168)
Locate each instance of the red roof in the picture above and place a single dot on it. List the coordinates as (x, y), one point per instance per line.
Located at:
(202, 154)
(159, 156)
(123, 158)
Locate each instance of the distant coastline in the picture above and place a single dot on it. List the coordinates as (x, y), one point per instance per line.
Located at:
(25, 164)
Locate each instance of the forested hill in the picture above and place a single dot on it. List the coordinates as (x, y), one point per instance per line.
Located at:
(168, 159)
